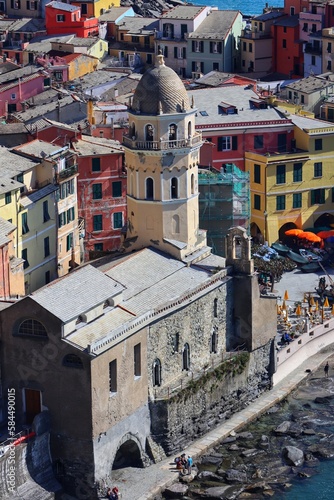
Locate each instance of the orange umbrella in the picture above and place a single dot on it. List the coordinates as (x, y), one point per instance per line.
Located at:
(307, 235)
(298, 310)
(283, 306)
(286, 295)
(326, 303)
(293, 232)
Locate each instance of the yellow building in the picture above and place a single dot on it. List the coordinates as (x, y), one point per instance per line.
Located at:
(95, 8)
(293, 189)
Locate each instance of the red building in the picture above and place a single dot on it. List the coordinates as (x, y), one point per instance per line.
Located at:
(287, 56)
(62, 19)
(101, 194)
(234, 120)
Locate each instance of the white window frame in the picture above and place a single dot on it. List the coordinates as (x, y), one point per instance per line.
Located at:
(12, 97)
(226, 143)
(60, 18)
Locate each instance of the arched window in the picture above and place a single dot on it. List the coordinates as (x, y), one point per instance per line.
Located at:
(186, 357)
(157, 372)
(174, 191)
(149, 133)
(176, 341)
(175, 224)
(237, 250)
(72, 361)
(215, 308)
(133, 131)
(214, 342)
(192, 183)
(172, 132)
(189, 130)
(107, 303)
(32, 327)
(149, 195)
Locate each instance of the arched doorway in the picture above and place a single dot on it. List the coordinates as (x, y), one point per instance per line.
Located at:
(284, 228)
(325, 220)
(256, 234)
(128, 455)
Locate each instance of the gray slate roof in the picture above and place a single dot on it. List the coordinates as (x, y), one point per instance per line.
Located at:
(18, 73)
(63, 6)
(215, 26)
(38, 149)
(96, 146)
(6, 228)
(27, 25)
(310, 84)
(208, 100)
(31, 198)
(185, 12)
(114, 13)
(138, 25)
(310, 123)
(12, 164)
(42, 44)
(7, 184)
(76, 293)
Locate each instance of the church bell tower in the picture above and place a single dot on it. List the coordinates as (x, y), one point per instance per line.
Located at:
(161, 155)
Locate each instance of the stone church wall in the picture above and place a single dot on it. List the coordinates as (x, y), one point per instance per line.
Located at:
(207, 402)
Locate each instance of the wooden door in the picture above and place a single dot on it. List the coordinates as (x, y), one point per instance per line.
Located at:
(33, 404)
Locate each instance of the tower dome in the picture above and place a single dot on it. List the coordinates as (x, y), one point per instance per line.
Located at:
(160, 91)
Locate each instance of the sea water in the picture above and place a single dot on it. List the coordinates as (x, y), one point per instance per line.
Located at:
(246, 7)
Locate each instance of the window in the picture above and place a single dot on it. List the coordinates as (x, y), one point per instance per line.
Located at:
(317, 196)
(329, 47)
(318, 169)
(69, 242)
(24, 256)
(176, 53)
(215, 47)
(329, 65)
(15, 4)
(60, 18)
(244, 46)
(157, 372)
(84, 10)
(19, 178)
(314, 28)
(284, 27)
(47, 277)
(97, 222)
(62, 219)
(297, 172)
(72, 361)
(280, 202)
(24, 221)
(284, 43)
(117, 220)
(149, 189)
(174, 194)
(97, 191)
(302, 99)
(250, 47)
(98, 247)
(318, 144)
(135, 39)
(312, 60)
(32, 327)
(117, 189)
(13, 97)
(46, 246)
(186, 357)
(96, 165)
(297, 200)
(197, 46)
(215, 308)
(280, 174)
(137, 360)
(46, 215)
(113, 376)
(8, 197)
(224, 143)
(292, 13)
(214, 342)
(257, 202)
(258, 141)
(176, 342)
(69, 214)
(257, 173)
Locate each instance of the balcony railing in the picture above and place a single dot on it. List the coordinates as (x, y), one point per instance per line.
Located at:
(311, 49)
(162, 145)
(161, 35)
(68, 172)
(254, 34)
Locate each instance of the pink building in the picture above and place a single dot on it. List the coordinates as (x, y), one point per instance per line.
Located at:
(13, 94)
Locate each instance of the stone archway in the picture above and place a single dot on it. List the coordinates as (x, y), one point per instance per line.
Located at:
(285, 227)
(255, 233)
(325, 220)
(129, 453)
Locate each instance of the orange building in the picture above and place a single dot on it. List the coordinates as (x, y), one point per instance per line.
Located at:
(288, 56)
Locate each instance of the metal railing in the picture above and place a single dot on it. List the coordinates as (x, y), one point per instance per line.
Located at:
(162, 145)
(165, 393)
(68, 172)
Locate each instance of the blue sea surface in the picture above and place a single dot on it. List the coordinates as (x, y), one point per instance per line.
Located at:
(246, 7)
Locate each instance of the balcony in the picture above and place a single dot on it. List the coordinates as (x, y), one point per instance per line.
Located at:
(162, 145)
(67, 172)
(311, 49)
(161, 35)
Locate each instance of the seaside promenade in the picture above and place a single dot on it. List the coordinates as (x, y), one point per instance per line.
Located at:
(146, 484)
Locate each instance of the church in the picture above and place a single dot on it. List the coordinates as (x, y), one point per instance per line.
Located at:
(133, 356)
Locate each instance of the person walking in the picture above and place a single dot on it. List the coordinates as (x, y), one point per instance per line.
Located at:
(326, 369)
(189, 464)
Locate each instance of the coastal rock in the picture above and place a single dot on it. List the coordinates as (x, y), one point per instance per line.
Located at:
(233, 447)
(251, 453)
(209, 476)
(229, 439)
(176, 490)
(245, 435)
(223, 492)
(235, 476)
(293, 456)
(283, 428)
(309, 432)
(212, 460)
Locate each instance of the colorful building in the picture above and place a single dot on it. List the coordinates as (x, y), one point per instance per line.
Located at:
(287, 56)
(14, 93)
(95, 8)
(294, 189)
(62, 18)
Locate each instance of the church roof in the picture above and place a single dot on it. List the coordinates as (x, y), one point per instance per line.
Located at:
(160, 90)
